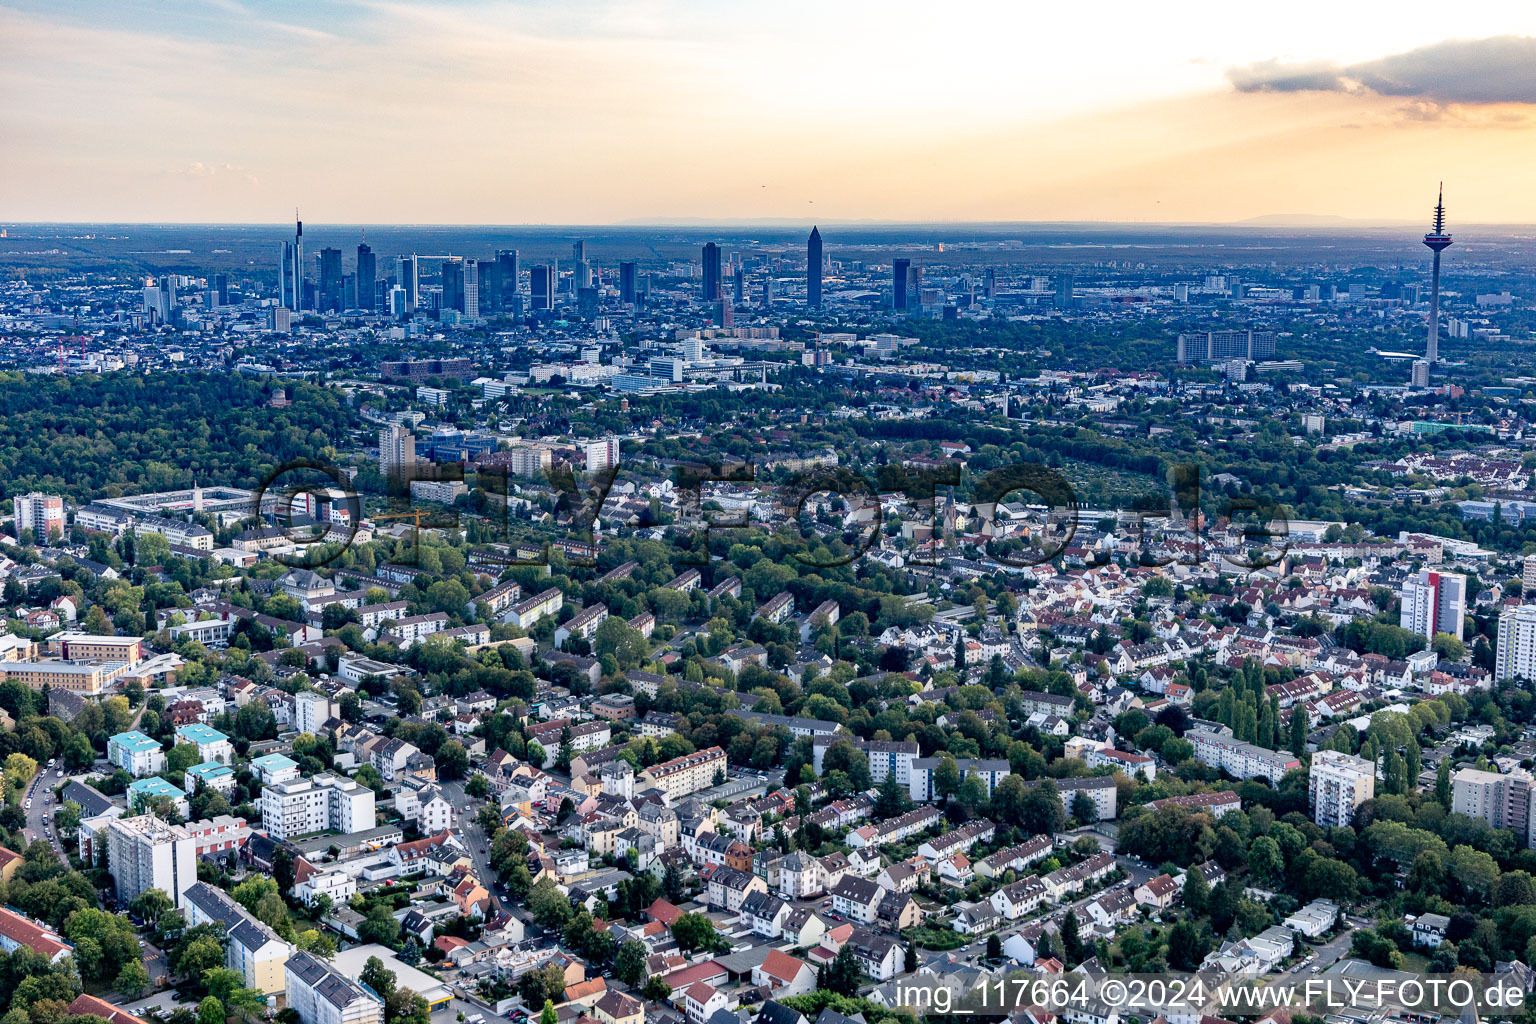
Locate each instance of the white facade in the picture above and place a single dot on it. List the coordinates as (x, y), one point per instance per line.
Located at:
(322, 994)
(145, 853)
(1516, 657)
(1434, 602)
(1336, 785)
(325, 803)
(311, 710)
(43, 514)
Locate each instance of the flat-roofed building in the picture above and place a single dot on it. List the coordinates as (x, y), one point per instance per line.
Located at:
(145, 853)
(74, 645)
(85, 677)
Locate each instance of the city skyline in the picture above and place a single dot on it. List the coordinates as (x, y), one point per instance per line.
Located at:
(572, 116)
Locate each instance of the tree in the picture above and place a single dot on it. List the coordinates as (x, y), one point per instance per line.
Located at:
(210, 1011)
(1196, 891)
(656, 989)
(994, 947)
(548, 1014)
(133, 980)
(695, 931)
(378, 977)
(629, 963)
(1042, 813)
(1084, 809)
(379, 925)
(452, 760)
(1186, 946)
(1298, 744)
(406, 1007)
(1264, 861)
(1449, 647)
(843, 976)
(1072, 940)
(551, 908)
(1443, 784)
(946, 777)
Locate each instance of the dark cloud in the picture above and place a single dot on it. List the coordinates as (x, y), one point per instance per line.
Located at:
(1501, 69)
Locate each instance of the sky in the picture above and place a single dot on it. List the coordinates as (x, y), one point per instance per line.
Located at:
(573, 112)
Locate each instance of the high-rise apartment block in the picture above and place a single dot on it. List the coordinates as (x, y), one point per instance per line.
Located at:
(1336, 785)
(43, 514)
(602, 454)
(1434, 602)
(1222, 346)
(146, 853)
(1515, 657)
(1502, 801)
(326, 803)
(397, 449)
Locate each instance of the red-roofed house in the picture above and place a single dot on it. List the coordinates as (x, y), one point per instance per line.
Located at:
(700, 1002)
(85, 1005)
(664, 912)
(16, 931)
(784, 975)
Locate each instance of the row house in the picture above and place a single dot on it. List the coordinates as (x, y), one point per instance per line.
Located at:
(1013, 901)
(957, 841)
(1077, 877)
(894, 830)
(1016, 858)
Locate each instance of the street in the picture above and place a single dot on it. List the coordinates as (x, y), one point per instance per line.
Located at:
(40, 792)
(475, 839)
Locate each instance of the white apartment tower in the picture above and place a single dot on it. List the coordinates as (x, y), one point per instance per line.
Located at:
(602, 454)
(43, 514)
(1503, 801)
(1515, 657)
(1434, 602)
(397, 449)
(144, 853)
(1336, 785)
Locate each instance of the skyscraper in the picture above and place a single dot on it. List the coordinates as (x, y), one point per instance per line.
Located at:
(813, 269)
(330, 279)
(367, 271)
(711, 272)
(488, 273)
(507, 262)
(221, 288)
(739, 289)
(1437, 240)
(469, 299)
(1434, 602)
(627, 283)
(541, 285)
(407, 277)
(1064, 289)
(899, 270)
(297, 252)
(453, 283)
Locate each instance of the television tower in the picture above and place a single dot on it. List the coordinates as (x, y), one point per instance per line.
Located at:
(1437, 239)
